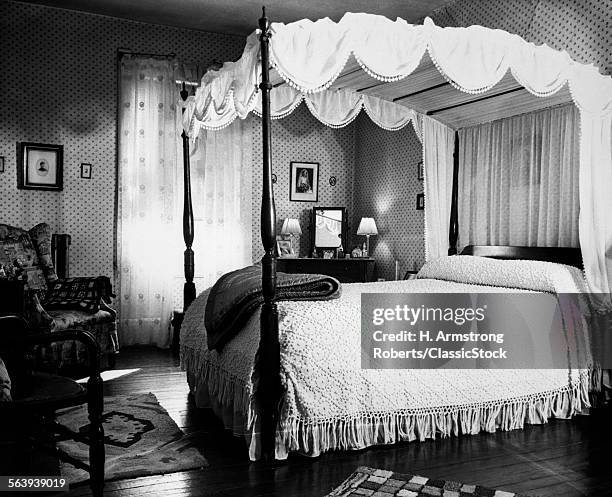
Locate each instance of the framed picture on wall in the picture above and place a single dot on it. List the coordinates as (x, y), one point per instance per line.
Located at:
(420, 172)
(420, 204)
(39, 166)
(1, 164)
(85, 170)
(304, 182)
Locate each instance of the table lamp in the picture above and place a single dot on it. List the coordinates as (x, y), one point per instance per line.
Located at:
(367, 227)
(291, 227)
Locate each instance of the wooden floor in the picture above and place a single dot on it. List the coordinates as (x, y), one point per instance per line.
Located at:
(563, 458)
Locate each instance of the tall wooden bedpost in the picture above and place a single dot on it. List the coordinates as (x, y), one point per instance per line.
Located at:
(267, 363)
(189, 291)
(453, 230)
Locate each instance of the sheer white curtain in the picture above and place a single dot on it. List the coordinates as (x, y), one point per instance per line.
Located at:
(148, 229)
(438, 147)
(518, 181)
(596, 202)
(221, 171)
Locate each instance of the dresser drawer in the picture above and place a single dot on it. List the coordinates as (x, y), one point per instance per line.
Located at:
(344, 270)
(347, 273)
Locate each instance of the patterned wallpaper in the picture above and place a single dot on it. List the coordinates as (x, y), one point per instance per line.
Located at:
(59, 85)
(386, 186)
(582, 27)
(301, 137)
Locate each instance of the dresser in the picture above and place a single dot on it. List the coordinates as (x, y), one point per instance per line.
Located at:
(344, 270)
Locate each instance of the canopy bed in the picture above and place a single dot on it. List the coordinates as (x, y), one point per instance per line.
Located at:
(372, 63)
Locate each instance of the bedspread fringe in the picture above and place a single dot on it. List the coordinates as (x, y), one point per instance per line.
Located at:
(364, 430)
(354, 432)
(224, 390)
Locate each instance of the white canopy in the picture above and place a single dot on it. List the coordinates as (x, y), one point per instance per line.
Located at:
(309, 57)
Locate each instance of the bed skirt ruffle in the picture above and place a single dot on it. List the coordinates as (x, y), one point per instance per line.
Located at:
(231, 400)
(228, 396)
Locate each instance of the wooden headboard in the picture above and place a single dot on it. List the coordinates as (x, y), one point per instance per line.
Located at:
(563, 255)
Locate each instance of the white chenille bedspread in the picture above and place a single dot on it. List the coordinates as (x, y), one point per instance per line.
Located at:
(331, 403)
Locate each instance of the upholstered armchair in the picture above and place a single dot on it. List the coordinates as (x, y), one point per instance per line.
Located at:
(49, 303)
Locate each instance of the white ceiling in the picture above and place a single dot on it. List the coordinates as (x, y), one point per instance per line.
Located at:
(240, 16)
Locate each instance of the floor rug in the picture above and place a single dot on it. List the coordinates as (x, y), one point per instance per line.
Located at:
(380, 483)
(140, 439)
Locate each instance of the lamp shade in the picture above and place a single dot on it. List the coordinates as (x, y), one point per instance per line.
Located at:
(367, 226)
(291, 227)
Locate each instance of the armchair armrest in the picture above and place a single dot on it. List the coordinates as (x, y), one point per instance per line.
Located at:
(15, 299)
(17, 339)
(105, 307)
(93, 349)
(34, 313)
(16, 336)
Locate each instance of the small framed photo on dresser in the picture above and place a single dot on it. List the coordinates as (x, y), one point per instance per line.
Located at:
(328, 254)
(39, 166)
(284, 248)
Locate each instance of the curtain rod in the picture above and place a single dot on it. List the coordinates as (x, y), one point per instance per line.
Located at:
(125, 51)
(172, 55)
(434, 87)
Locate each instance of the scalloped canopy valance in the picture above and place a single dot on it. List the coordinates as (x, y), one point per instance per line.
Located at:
(311, 56)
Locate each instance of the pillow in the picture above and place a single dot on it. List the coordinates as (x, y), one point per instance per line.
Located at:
(16, 243)
(528, 275)
(41, 238)
(81, 294)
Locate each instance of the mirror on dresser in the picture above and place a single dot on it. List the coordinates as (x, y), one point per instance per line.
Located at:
(328, 229)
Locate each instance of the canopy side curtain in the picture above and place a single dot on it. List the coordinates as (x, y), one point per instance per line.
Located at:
(518, 180)
(150, 199)
(596, 202)
(438, 147)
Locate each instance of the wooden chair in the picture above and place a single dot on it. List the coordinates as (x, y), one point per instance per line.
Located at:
(37, 396)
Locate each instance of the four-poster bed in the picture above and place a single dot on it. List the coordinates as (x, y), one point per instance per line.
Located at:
(321, 63)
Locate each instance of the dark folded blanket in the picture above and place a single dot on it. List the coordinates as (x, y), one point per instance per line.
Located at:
(236, 295)
(81, 294)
